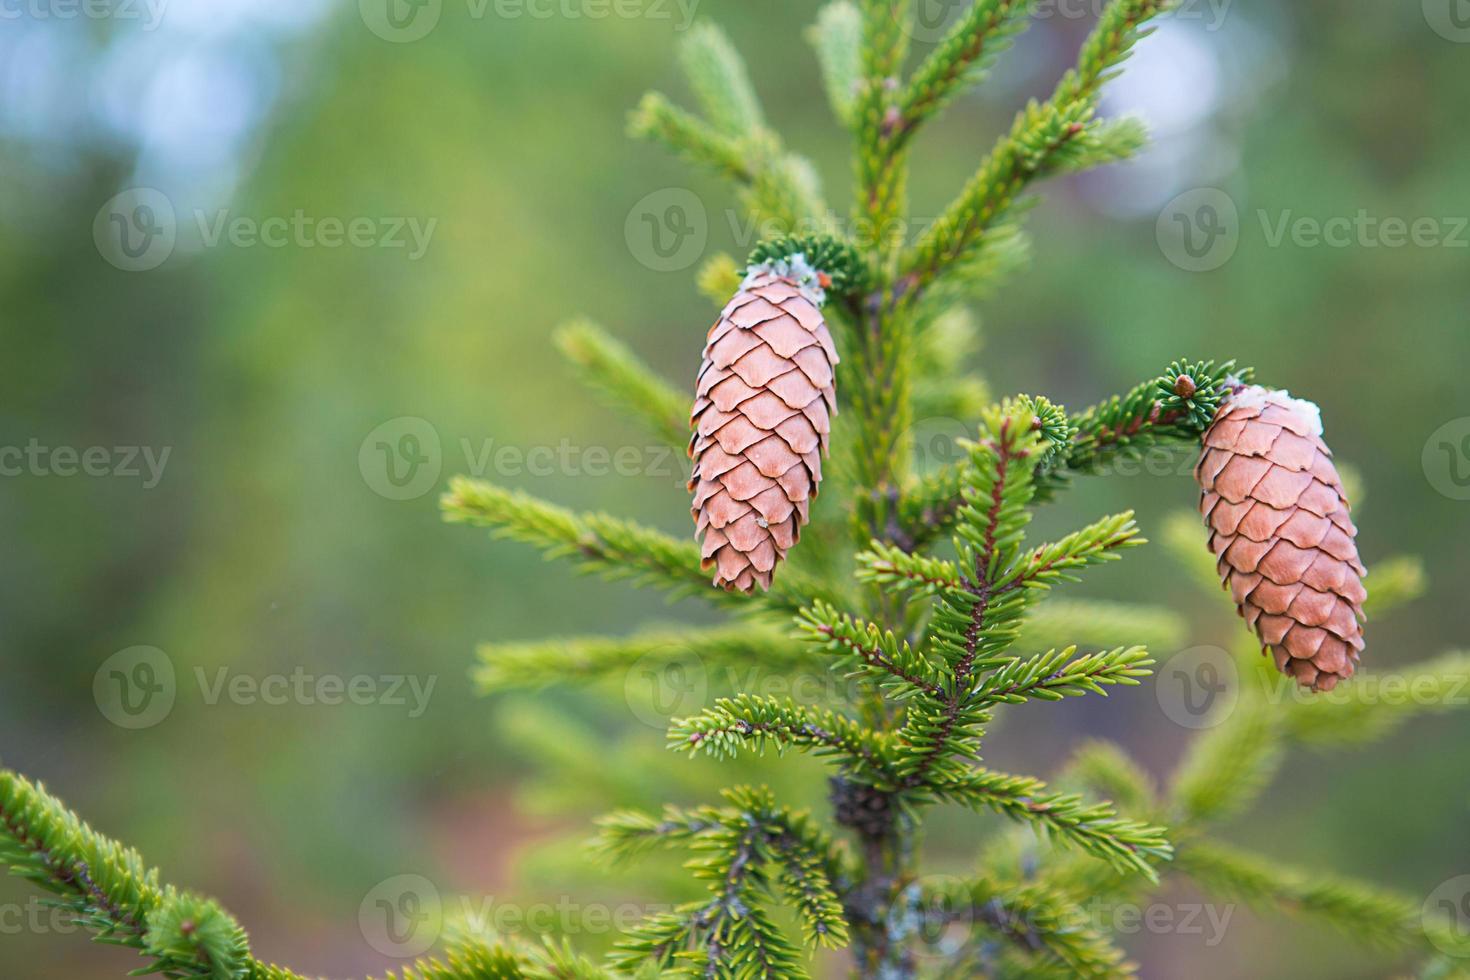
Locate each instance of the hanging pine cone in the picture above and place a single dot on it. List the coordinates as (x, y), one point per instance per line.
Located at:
(763, 403)
(1280, 530)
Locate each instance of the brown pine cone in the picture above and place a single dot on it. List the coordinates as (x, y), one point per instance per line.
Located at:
(761, 416)
(1280, 529)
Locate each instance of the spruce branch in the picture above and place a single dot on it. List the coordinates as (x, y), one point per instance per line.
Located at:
(837, 39)
(1227, 767)
(1100, 623)
(542, 663)
(1038, 921)
(985, 30)
(613, 548)
(865, 649)
(1367, 914)
(690, 137)
(754, 721)
(1092, 545)
(881, 167)
(730, 935)
(1046, 137)
(779, 188)
(1129, 846)
(1106, 769)
(1397, 582)
(1060, 674)
(1377, 704)
(720, 81)
(609, 366)
(109, 890)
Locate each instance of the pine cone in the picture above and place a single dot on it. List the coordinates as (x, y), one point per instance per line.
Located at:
(1280, 530)
(761, 416)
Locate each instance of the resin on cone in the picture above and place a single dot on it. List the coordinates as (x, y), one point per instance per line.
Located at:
(763, 403)
(1279, 527)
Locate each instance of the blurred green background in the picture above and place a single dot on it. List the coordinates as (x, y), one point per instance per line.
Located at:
(269, 544)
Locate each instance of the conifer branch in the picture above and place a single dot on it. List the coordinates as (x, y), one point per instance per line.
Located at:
(1227, 767)
(1378, 704)
(1058, 674)
(1127, 845)
(722, 729)
(720, 81)
(111, 892)
(900, 671)
(1397, 582)
(730, 935)
(1365, 913)
(1107, 770)
(1100, 623)
(881, 167)
(985, 30)
(1037, 920)
(691, 138)
(613, 548)
(539, 664)
(609, 366)
(837, 39)
(1057, 134)
(1092, 545)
